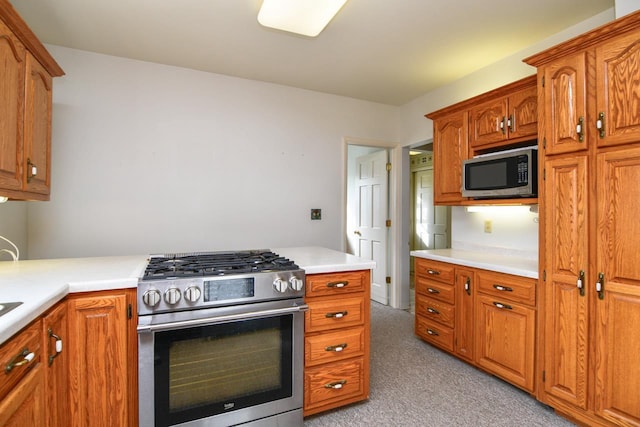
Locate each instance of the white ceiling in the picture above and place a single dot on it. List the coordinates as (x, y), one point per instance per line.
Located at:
(387, 51)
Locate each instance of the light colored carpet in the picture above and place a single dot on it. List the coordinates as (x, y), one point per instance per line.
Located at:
(414, 384)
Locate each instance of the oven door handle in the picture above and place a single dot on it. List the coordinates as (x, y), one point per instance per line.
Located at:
(220, 319)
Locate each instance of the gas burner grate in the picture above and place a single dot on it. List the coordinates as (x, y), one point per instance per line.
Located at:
(184, 265)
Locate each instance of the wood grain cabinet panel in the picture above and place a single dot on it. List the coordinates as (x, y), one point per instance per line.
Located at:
(101, 359)
(55, 365)
(450, 148)
(435, 310)
(21, 383)
(465, 319)
(25, 108)
(337, 344)
(589, 245)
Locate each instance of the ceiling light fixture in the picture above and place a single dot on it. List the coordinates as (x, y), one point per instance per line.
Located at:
(306, 17)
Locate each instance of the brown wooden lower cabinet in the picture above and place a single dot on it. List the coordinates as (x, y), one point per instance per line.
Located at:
(102, 359)
(55, 363)
(337, 328)
(485, 318)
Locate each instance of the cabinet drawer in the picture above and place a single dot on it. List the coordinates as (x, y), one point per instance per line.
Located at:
(435, 270)
(436, 290)
(335, 313)
(14, 350)
(332, 346)
(334, 383)
(435, 310)
(335, 284)
(434, 333)
(507, 287)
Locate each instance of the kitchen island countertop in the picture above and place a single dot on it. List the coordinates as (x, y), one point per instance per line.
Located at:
(486, 260)
(40, 284)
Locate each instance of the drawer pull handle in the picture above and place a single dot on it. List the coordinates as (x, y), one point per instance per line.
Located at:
(432, 332)
(337, 284)
(434, 272)
(58, 346)
(26, 355)
(336, 385)
(336, 315)
(433, 310)
(504, 306)
(337, 348)
(433, 291)
(503, 288)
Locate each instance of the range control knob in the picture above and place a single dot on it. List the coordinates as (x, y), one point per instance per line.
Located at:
(192, 293)
(151, 297)
(296, 284)
(172, 295)
(280, 285)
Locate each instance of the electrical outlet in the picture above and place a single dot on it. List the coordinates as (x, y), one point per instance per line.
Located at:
(316, 214)
(488, 226)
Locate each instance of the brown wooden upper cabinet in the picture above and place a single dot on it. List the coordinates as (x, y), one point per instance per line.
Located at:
(476, 126)
(26, 104)
(510, 117)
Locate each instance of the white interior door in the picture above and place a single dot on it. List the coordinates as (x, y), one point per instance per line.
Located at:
(372, 193)
(431, 222)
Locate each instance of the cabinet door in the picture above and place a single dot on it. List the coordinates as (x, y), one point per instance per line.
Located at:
(617, 382)
(523, 114)
(54, 328)
(24, 405)
(12, 58)
(37, 128)
(565, 310)
(618, 90)
(98, 360)
(450, 148)
(488, 122)
(465, 319)
(565, 107)
(505, 339)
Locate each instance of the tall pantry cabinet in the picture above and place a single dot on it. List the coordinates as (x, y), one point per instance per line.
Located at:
(589, 141)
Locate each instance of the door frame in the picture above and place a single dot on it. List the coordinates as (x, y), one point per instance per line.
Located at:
(398, 244)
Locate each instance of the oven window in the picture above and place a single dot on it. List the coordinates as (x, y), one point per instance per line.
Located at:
(209, 370)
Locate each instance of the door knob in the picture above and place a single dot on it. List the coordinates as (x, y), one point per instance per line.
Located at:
(357, 232)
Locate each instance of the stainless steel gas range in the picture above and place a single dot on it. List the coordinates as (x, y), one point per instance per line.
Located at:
(220, 340)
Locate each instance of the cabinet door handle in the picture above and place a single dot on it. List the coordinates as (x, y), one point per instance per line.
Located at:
(600, 124)
(502, 288)
(336, 385)
(336, 315)
(26, 356)
(467, 286)
(433, 291)
(502, 125)
(502, 306)
(580, 282)
(337, 284)
(433, 272)
(580, 129)
(432, 332)
(511, 122)
(58, 346)
(432, 310)
(600, 286)
(336, 348)
(32, 170)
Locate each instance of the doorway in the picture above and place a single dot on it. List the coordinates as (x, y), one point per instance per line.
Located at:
(368, 226)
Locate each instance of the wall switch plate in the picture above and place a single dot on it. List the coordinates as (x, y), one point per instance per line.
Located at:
(316, 213)
(488, 226)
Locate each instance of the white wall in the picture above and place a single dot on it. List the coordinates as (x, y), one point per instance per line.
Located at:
(151, 158)
(13, 226)
(624, 7)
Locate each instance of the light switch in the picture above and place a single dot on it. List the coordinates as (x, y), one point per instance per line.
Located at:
(488, 226)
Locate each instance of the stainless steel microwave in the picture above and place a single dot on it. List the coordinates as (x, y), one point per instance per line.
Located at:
(507, 174)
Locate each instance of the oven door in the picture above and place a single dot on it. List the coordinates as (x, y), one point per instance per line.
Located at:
(222, 366)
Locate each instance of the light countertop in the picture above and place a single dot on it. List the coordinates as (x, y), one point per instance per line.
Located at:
(486, 260)
(40, 284)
